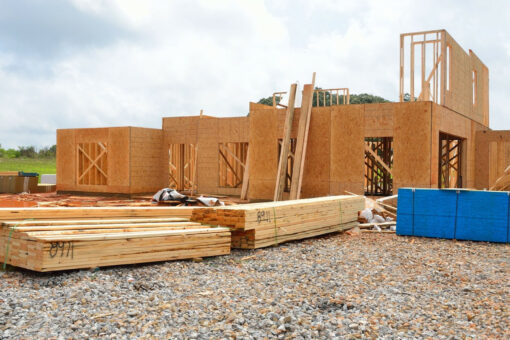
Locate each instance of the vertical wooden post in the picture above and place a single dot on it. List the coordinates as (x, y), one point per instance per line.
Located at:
(246, 176)
(194, 185)
(285, 148)
(302, 139)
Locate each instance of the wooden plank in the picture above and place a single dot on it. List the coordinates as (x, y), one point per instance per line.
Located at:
(246, 177)
(285, 145)
(377, 158)
(302, 139)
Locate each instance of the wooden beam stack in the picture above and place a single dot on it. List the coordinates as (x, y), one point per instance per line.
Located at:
(264, 224)
(93, 212)
(97, 239)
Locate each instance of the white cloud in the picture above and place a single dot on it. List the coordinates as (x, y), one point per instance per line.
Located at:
(166, 58)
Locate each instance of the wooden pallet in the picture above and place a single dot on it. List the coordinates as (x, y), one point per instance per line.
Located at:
(264, 224)
(50, 245)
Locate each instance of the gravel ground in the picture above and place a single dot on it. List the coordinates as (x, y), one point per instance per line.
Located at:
(360, 286)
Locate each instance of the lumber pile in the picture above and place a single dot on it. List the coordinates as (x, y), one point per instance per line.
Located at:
(92, 212)
(64, 239)
(264, 224)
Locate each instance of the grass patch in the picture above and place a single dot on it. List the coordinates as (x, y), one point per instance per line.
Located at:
(39, 165)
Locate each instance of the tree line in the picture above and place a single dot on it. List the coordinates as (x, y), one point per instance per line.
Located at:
(362, 98)
(29, 152)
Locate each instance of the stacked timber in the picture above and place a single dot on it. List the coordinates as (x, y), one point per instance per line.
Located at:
(92, 212)
(94, 241)
(264, 224)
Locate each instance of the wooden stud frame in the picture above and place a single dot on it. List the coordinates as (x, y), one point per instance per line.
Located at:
(232, 164)
(92, 164)
(323, 97)
(378, 166)
(450, 161)
(433, 68)
(181, 166)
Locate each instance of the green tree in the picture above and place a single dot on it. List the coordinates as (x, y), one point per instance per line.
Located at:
(268, 101)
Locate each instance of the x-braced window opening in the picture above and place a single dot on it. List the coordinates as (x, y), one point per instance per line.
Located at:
(378, 166)
(290, 161)
(450, 161)
(182, 161)
(232, 161)
(92, 163)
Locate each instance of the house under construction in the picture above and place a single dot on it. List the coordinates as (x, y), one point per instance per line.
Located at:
(436, 136)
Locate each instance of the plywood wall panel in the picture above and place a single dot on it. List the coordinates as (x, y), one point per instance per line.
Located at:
(347, 149)
(263, 153)
(492, 156)
(147, 165)
(66, 159)
(379, 119)
(412, 145)
(317, 162)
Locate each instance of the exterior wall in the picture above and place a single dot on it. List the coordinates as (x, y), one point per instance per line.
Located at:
(206, 132)
(459, 97)
(146, 163)
(492, 156)
(412, 145)
(133, 159)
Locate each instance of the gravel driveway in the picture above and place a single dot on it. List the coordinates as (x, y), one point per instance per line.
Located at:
(359, 286)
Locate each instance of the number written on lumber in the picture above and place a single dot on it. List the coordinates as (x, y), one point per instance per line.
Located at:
(62, 249)
(263, 216)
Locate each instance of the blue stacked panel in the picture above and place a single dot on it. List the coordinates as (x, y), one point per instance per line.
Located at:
(405, 212)
(482, 216)
(434, 213)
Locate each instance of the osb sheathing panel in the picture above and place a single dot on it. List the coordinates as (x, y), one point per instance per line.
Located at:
(412, 145)
(66, 158)
(211, 132)
(317, 162)
(147, 165)
(118, 141)
(263, 153)
(492, 156)
(347, 149)
(379, 119)
(459, 97)
(208, 156)
(450, 122)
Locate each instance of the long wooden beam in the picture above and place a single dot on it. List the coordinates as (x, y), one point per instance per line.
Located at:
(377, 158)
(302, 139)
(285, 146)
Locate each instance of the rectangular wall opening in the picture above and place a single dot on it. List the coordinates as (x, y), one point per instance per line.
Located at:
(290, 161)
(92, 163)
(182, 158)
(232, 161)
(474, 87)
(450, 161)
(378, 166)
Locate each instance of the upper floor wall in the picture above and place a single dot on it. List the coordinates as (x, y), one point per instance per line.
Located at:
(433, 66)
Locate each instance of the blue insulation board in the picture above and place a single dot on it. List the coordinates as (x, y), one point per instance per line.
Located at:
(454, 214)
(482, 216)
(405, 212)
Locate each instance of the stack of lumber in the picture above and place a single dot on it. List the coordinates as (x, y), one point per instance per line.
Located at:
(70, 241)
(264, 224)
(13, 182)
(92, 212)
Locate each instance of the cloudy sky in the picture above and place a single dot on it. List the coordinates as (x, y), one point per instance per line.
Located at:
(94, 63)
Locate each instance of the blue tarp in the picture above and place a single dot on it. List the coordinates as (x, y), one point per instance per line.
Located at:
(454, 214)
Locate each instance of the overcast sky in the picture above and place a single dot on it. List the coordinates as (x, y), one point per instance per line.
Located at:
(95, 63)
